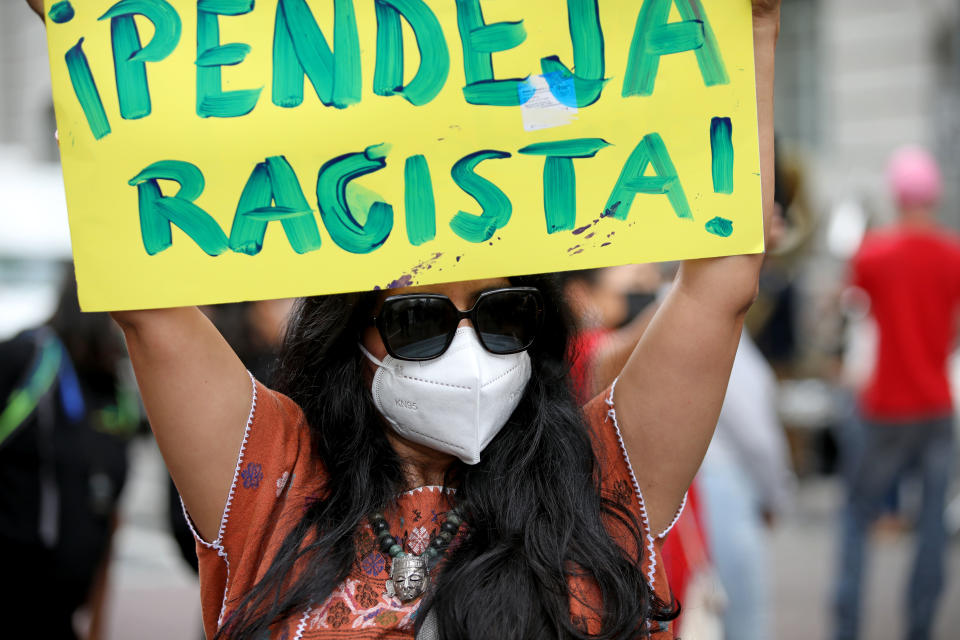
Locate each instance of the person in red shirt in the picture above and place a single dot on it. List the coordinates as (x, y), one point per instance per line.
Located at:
(911, 275)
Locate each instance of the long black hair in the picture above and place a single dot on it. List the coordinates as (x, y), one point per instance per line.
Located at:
(533, 504)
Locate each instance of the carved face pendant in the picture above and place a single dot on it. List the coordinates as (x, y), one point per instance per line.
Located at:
(409, 578)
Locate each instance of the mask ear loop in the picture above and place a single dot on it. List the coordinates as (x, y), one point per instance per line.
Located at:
(370, 356)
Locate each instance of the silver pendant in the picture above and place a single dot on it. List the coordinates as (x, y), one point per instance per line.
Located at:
(409, 577)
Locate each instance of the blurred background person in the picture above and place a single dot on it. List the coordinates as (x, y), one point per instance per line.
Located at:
(911, 275)
(254, 330)
(612, 307)
(65, 419)
(746, 481)
(772, 321)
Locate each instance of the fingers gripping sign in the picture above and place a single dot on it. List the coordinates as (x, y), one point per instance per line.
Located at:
(37, 6)
(765, 9)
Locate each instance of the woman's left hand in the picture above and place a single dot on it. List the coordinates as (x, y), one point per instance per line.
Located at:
(37, 6)
(766, 10)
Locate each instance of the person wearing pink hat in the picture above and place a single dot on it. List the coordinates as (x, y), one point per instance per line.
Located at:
(911, 274)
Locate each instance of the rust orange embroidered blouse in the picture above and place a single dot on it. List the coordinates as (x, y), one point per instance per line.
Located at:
(275, 478)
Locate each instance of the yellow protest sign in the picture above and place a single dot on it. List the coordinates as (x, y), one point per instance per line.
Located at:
(223, 150)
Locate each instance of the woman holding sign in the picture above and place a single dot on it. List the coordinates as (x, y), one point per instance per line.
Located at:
(425, 470)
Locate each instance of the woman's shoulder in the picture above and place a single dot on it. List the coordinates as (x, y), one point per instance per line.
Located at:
(618, 484)
(278, 441)
(16, 354)
(271, 406)
(275, 480)
(274, 458)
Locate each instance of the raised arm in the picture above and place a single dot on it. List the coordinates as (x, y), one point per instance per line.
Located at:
(197, 394)
(671, 390)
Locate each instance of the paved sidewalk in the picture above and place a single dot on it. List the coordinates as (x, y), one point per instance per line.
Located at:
(154, 594)
(803, 552)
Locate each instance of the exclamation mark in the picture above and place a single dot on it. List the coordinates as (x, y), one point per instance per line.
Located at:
(721, 151)
(85, 89)
(80, 75)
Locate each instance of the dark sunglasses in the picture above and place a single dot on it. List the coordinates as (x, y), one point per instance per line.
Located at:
(422, 326)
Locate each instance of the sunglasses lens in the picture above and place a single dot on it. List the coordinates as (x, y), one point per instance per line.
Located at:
(418, 328)
(507, 321)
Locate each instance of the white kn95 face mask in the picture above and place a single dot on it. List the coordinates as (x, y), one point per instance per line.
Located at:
(455, 403)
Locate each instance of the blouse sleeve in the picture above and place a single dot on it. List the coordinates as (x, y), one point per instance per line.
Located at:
(619, 483)
(273, 481)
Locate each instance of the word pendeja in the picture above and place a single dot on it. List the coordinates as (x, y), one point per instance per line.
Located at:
(273, 193)
(300, 51)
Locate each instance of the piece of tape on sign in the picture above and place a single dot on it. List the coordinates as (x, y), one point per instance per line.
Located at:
(547, 101)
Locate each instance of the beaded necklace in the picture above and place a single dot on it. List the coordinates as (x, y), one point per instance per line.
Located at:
(410, 573)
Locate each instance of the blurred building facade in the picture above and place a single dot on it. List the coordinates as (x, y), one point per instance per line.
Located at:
(26, 111)
(858, 78)
(35, 238)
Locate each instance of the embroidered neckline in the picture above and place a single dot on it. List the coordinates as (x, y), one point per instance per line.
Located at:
(433, 488)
